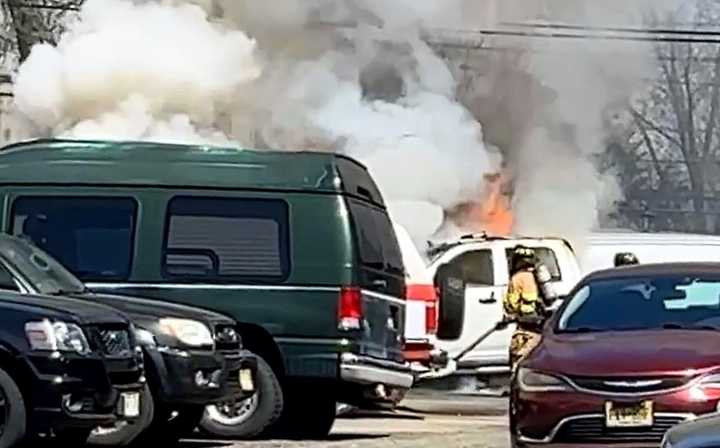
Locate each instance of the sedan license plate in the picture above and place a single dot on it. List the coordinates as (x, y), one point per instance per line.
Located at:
(130, 404)
(625, 415)
(247, 384)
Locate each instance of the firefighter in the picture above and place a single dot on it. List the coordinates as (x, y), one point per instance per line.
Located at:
(626, 259)
(524, 304)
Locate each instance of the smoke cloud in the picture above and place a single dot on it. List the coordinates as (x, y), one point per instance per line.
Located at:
(358, 77)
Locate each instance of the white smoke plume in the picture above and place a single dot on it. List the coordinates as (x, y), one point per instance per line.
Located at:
(129, 70)
(355, 76)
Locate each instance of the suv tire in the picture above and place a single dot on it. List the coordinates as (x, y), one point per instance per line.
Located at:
(255, 414)
(14, 425)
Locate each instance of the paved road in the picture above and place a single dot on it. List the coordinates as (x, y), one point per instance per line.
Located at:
(447, 421)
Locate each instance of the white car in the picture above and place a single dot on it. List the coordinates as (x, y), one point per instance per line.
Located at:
(484, 263)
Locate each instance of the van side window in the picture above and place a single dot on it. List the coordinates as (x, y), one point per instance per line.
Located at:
(227, 238)
(476, 267)
(547, 257)
(91, 236)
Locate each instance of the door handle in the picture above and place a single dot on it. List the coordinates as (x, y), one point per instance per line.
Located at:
(489, 300)
(380, 284)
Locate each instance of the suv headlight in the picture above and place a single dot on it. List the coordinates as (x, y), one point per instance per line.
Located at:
(189, 332)
(533, 381)
(56, 336)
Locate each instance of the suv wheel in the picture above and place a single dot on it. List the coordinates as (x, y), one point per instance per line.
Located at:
(13, 415)
(124, 433)
(250, 417)
(169, 426)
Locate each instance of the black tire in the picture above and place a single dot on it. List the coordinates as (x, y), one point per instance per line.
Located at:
(260, 411)
(127, 433)
(309, 414)
(15, 413)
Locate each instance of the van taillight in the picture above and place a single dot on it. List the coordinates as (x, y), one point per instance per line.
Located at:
(350, 313)
(431, 317)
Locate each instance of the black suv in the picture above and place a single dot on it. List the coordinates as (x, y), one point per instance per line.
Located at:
(193, 357)
(66, 367)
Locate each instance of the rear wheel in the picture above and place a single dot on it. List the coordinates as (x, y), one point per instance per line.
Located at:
(13, 415)
(247, 418)
(123, 433)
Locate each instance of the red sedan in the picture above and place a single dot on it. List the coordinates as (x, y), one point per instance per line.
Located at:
(631, 352)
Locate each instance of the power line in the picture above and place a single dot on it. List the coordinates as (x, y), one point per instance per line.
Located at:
(563, 26)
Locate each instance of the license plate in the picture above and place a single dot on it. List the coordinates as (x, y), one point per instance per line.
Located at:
(622, 415)
(130, 404)
(247, 384)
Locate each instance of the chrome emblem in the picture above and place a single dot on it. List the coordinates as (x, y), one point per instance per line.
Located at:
(637, 384)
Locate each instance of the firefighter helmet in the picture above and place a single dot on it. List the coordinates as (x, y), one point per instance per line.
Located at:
(522, 258)
(626, 259)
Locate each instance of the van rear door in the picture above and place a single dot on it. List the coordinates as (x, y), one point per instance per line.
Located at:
(381, 276)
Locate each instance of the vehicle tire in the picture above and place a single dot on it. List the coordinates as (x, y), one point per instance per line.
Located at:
(13, 414)
(309, 414)
(124, 433)
(250, 417)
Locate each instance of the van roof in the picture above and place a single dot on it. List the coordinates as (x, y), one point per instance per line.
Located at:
(133, 163)
(629, 237)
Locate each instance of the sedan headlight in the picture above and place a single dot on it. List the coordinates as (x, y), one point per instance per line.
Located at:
(56, 336)
(533, 381)
(189, 332)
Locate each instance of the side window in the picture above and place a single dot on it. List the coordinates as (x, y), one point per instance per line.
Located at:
(547, 257)
(92, 236)
(476, 267)
(219, 238)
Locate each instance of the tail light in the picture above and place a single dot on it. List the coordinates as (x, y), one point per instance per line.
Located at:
(350, 313)
(429, 295)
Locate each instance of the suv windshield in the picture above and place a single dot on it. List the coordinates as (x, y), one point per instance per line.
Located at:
(674, 302)
(41, 270)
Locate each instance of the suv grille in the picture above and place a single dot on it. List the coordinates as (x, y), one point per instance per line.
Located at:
(630, 385)
(226, 338)
(593, 430)
(112, 341)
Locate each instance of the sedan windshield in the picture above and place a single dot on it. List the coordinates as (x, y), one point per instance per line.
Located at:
(670, 302)
(43, 272)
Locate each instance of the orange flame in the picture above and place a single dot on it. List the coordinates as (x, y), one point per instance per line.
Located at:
(494, 214)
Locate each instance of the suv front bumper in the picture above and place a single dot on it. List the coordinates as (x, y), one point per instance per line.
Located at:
(73, 391)
(197, 377)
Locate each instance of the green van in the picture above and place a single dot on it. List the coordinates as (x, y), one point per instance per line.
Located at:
(296, 246)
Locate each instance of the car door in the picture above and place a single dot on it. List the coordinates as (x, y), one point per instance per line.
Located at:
(483, 306)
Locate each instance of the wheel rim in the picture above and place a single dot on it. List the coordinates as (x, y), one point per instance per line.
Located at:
(232, 413)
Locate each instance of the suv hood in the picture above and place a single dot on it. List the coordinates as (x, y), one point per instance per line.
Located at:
(64, 308)
(143, 308)
(627, 353)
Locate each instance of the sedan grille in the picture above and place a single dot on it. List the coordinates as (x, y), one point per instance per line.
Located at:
(630, 385)
(115, 343)
(593, 430)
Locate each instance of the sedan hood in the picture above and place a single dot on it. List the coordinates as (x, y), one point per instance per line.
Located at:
(628, 353)
(64, 308)
(703, 432)
(143, 308)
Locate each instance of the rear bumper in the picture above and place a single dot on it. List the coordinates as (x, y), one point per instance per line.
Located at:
(369, 371)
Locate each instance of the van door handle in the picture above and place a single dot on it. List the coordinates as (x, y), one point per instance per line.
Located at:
(380, 284)
(488, 300)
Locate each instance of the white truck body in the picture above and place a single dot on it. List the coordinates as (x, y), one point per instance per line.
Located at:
(485, 265)
(648, 247)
